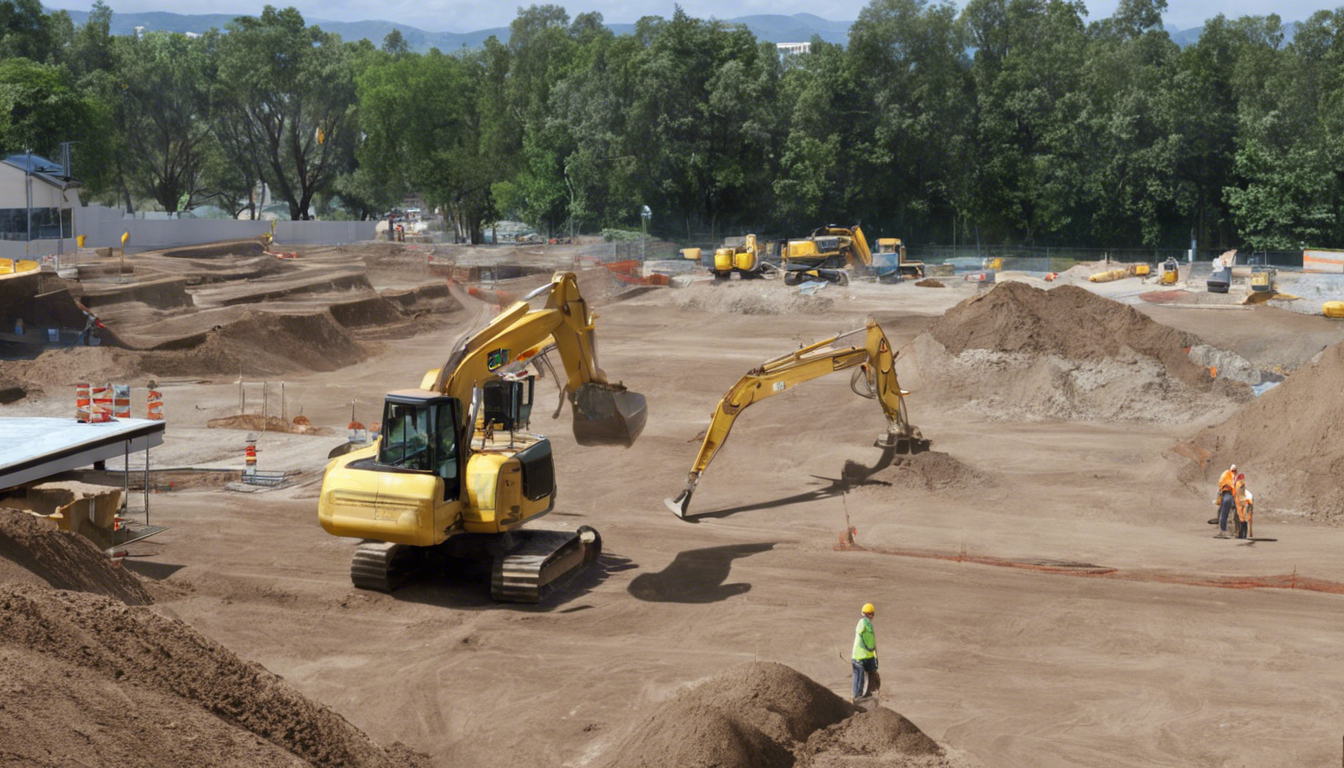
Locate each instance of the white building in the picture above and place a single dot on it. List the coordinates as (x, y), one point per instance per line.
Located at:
(42, 193)
(790, 49)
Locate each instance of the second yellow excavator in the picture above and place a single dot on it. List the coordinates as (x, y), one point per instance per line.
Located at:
(874, 378)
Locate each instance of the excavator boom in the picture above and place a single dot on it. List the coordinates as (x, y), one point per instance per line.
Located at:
(875, 364)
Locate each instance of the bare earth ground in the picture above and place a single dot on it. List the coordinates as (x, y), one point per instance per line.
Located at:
(1112, 651)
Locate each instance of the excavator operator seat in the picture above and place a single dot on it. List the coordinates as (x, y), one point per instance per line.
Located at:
(507, 403)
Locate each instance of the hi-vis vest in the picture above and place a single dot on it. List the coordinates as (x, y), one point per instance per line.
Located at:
(865, 645)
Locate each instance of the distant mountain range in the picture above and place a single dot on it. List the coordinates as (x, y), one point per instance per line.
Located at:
(773, 28)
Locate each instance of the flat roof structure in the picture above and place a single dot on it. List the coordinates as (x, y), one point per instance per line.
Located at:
(33, 449)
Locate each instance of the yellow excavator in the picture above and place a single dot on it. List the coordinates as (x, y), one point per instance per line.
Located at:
(874, 378)
(747, 260)
(455, 471)
(828, 254)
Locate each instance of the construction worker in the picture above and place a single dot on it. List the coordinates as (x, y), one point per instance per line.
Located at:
(1241, 497)
(864, 659)
(1226, 500)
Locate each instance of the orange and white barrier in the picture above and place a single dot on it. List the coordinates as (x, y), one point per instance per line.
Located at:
(83, 403)
(102, 403)
(250, 458)
(154, 405)
(121, 401)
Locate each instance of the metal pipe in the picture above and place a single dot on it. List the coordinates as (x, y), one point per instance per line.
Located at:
(146, 483)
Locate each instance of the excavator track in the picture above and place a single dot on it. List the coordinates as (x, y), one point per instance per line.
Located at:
(539, 561)
(380, 566)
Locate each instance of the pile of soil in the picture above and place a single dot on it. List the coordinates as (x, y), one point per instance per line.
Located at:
(752, 297)
(261, 342)
(766, 715)
(929, 282)
(250, 247)
(879, 733)
(926, 471)
(253, 422)
(1020, 352)
(36, 552)
(88, 680)
(1287, 442)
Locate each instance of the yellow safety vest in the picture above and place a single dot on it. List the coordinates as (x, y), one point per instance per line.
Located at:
(865, 643)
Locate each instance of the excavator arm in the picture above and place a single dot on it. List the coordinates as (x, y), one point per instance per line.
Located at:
(875, 365)
(553, 315)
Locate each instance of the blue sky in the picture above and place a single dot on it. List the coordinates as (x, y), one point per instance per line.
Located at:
(467, 15)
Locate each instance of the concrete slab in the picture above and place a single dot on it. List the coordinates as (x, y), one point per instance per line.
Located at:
(36, 448)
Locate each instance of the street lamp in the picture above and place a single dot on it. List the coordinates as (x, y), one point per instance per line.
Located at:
(644, 215)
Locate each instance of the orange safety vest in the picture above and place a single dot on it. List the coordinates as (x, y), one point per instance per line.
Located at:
(1227, 481)
(1239, 496)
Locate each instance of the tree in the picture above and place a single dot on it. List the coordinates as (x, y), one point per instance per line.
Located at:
(288, 96)
(39, 109)
(163, 110)
(25, 31)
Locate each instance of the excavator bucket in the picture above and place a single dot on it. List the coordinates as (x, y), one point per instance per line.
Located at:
(910, 441)
(606, 414)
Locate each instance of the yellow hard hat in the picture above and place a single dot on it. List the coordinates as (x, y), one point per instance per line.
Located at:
(868, 608)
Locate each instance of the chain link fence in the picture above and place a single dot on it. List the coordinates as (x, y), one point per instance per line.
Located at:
(1052, 259)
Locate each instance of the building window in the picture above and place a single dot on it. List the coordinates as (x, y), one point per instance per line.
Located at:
(48, 223)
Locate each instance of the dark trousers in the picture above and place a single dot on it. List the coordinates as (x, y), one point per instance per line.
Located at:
(862, 669)
(1224, 509)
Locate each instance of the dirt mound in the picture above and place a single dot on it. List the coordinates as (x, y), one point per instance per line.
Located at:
(35, 552)
(1019, 352)
(180, 675)
(876, 733)
(765, 714)
(217, 250)
(929, 282)
(752, 297)
(253, 422)
(262, 342)
(1287, 442)
(926, 471)
(371, 310)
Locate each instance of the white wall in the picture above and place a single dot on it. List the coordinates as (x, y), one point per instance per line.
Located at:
(104, 226)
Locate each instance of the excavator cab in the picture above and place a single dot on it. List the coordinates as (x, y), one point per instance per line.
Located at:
(419, 435)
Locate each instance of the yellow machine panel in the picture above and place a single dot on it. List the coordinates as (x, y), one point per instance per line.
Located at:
(745, 261)
(723, 259)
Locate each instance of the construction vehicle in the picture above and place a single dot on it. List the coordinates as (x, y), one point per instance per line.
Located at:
(874, 377)
(904, 269)
(1171, 272)
(747, 260)
(828, 254)
(455, 473)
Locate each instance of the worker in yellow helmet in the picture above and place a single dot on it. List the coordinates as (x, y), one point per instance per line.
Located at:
(865, 655)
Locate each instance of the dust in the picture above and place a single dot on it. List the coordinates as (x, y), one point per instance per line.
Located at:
(763, 714)
(751, 297)
(186, 690)
(1018, 352)
(36, 552)
(1287, 442)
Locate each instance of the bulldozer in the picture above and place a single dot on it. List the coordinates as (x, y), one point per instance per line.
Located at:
(456, 473)
(890, 261)
(829, 254)
(874, 377)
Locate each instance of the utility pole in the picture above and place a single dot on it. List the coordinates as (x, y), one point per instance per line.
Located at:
(644, 215)
(28, 190)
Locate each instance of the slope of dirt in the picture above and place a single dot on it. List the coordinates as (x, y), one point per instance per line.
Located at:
(1288, 442)
(752, 297)
(766, 714)
(1019, 352)
(878, 733)
(181, 681)
(35, 552)
(262, 342)
(927, 471)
